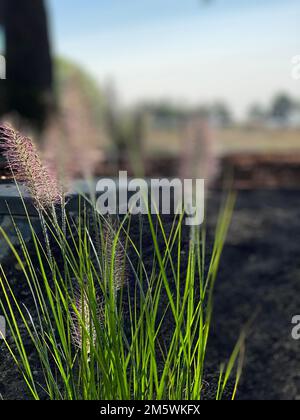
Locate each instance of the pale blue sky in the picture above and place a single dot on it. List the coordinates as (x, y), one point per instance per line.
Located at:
(236, 50)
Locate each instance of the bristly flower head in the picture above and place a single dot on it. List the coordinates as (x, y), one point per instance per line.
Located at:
(114, 256)
(27, 167)
(83, 325)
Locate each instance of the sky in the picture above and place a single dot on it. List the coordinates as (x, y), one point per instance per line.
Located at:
(191, 51)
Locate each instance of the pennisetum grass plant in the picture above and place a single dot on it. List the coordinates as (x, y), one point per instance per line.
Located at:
(104, 321)
(26, 167)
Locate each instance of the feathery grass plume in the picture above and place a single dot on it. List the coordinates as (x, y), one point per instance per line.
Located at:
(26, 166)
(83, 327)
(114, 255)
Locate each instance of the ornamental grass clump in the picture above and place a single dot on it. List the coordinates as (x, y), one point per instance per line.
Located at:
(109, 317)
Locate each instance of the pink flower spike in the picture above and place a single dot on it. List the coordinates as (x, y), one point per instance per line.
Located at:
(26, 166)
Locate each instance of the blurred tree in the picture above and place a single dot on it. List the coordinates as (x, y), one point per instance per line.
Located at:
(64, 70)
(165, 115)
(282, 107)
(117, 127)
(221, 114)
(28, 87)
(257, 114)
(75, 137)
(126, 130)
(168, 110)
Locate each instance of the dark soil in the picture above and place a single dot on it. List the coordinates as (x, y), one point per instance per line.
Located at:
(259, 277)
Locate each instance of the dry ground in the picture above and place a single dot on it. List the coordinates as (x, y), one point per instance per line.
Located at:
(231, 140)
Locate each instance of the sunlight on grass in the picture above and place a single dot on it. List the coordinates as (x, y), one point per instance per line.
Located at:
(96, 327)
